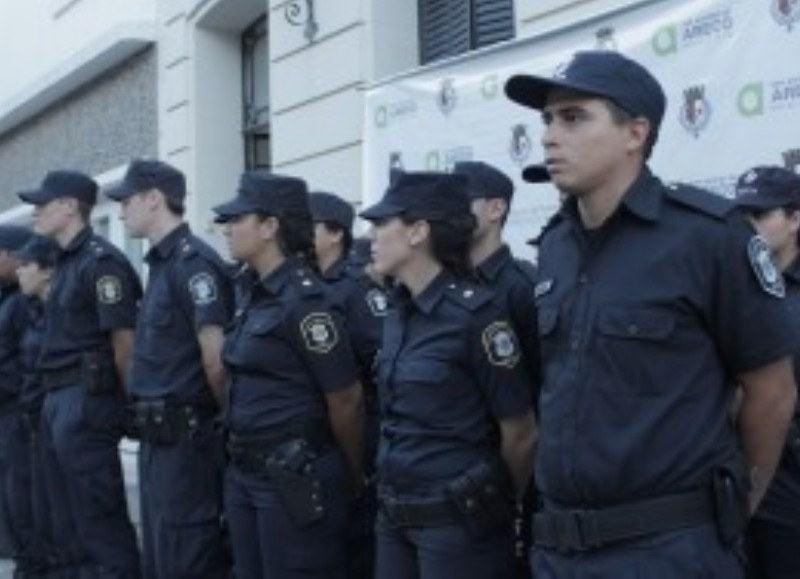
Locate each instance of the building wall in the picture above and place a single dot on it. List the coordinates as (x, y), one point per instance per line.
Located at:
(96, 128)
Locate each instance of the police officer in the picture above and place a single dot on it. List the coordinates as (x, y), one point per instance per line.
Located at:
(491, 193)
(89, 319)
(15, 519)
(456, 414)
(177, 379)
(651, 301)
(294, 413)
(55, 553)
(771, 197)
(364, 304)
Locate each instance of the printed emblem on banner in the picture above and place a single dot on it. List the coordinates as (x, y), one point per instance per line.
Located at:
(378, 302)
(786, 12)
(319, 332)
(695, 112)
(109, 289)
(446, 98)
(791, 160)
(604, 38)
(202, 288)
(768, 276)
(520, 146)
(500, 345)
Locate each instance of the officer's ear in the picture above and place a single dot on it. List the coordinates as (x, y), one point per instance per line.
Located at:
(268, 227)
(638, 134)
(418, 232)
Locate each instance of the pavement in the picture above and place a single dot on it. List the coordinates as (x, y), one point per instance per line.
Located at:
(128, 450)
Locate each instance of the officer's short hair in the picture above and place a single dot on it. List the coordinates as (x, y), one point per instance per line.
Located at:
(450, 241)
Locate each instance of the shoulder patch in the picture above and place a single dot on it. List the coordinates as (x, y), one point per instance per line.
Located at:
(203, 289)
(97, 248)
(319, 332)
(377, 301)
(469, 296)
(767, 274)
(700, 200)
(109, 290)
(501, 345)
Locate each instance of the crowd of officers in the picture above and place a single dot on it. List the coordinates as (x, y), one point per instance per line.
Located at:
(330, 407)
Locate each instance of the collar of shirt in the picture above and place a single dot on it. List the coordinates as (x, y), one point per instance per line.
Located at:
(83, 237)
(167, 246)
(426, 301)
(274, 282)
(643, 200)
(792, 273)
(490, 268)
(336, 271)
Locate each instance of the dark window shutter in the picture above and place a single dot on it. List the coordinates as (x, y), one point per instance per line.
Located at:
(493, 21)
(451, 27)
(445, 28)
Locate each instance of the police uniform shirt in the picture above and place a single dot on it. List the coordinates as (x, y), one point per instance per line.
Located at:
(782, 501)
(643, 323)
(448, 371)
(287, 347)
(32, 391)
(515, 280)
(94, 291)
(188, 288)
(13, 321)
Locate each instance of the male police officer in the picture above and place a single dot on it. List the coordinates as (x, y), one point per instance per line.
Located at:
(651, 301)
(177, 377)
(771, 197)
(364, 305)
(13, 319)
(491, 192)
(89, 319)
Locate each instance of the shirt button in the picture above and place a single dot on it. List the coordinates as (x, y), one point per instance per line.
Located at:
(583, 278)
(574, 344)
(633, 330)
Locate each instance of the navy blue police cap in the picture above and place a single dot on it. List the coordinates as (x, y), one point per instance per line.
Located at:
(422, 195)
(39, 249)
(12, 237)
(768, 187)
(485, 181)
(330, 208)
(603, 73)
(536, 174)
(146, 174)
(59, 184)
(267, 193)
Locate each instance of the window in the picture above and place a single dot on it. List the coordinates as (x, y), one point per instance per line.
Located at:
(255, 91)
(451, 27)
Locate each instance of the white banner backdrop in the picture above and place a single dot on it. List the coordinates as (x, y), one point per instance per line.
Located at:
(730, 68)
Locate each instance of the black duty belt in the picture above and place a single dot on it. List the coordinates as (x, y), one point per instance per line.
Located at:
(581, 530)
(54, 379)
(315, 432)
(419, 513)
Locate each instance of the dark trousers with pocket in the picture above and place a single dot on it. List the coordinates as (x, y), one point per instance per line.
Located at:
(268, 544)
(180, 488)
(85, 431)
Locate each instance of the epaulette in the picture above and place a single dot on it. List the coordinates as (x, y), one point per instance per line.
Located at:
(468, 295)
(98, 249)
(700, 200)
(186, 249)
(527, 269)
(308, 284)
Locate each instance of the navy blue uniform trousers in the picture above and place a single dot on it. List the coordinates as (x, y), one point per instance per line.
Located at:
(86, 430)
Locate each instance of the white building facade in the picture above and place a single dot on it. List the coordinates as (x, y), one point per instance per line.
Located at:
(218, 86)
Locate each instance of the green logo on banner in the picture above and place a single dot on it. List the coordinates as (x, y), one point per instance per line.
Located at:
(750, 100)
(381, 116)
(489, 86)
(665, 40)
(433, 161)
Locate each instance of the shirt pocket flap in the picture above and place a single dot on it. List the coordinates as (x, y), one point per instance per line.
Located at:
(636, 324)
(261, 325)
(422, 372)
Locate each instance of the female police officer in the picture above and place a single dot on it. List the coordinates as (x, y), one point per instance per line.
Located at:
(294, 409)
(456, 420)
